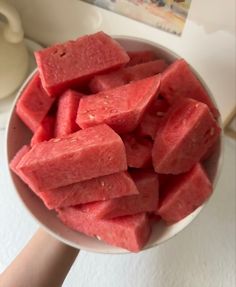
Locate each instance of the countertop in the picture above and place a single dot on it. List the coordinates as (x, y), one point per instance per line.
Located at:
(204, 253)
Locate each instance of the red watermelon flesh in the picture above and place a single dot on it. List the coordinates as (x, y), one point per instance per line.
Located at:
(126, 75)
(153, 119)
(146, 201)
(185, 194)
(16, 160)
(145, 70)
(129, 232)
(139, 57)
(68, 105)
(138, 151)
(69, 65)
(44, 132)
(34, 104)
(86, 154)
(121, 108)
(188, 131)
(100, 188)
(178, 81)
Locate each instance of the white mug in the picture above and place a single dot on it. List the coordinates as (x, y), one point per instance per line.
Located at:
(14, 59)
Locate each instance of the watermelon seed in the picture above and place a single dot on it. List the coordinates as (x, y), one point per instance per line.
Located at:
(212, 131)
(98, 237)
(102, 183)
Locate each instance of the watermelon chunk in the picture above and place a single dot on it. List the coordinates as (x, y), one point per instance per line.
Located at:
(126, 75)
(44, 132)
(145, 201)
(34, 104)
(129, 232)
(185, 194)
(121, 108)
(178, 81)
(188, 131)
(69, 65)
(68, 105)
(139, 57)
(153, 119)
(86, 154)
(17, 158)
(100, 188)
(138, 151)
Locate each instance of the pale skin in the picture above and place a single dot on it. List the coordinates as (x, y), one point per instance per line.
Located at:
(44, 262)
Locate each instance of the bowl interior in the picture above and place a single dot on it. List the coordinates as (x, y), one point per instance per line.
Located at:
(18, 135)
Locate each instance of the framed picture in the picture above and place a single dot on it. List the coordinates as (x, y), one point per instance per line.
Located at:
(169, 15)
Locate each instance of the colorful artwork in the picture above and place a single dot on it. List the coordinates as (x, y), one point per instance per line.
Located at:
(169, 15)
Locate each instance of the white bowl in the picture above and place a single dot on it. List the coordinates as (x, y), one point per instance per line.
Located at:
(18, 135)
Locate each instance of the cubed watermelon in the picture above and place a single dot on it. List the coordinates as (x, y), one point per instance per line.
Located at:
(139, 57)
(129, 232)
(121, 108)
(179, 81)
(145, 201)
(17, 158)
(138, 151)
(69, 65)
(33, 104)
(145, 70)
(126, 75)
(15, 161)
(100, 188)
(68, 105)
(188, 131)
(185, 194)
(153, 118)
(44, 132)
(83, 155)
